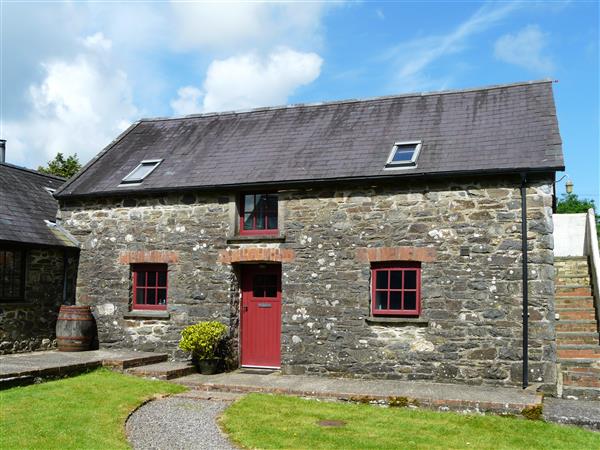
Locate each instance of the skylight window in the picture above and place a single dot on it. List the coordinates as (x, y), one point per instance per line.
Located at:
(144, 169)
(403, 155)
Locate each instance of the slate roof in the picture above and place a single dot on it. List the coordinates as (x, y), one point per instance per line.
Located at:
(25, 205)
(493, 129)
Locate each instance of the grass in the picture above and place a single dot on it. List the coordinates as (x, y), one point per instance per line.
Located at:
(83, 412)
(268, 421)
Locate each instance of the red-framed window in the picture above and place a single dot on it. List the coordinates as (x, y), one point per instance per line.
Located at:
(396, 289)
(12, 274)
(150, 286)
(258, 213)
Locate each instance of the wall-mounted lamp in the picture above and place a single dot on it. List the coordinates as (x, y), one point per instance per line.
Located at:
(569, 187)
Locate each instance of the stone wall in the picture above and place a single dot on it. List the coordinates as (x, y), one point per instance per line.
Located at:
(30, 324)
(470, 330)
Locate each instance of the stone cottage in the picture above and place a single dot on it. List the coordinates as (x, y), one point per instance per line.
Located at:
(38, 261)
(376, 238)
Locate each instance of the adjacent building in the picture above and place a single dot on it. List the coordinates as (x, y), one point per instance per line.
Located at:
(38, 260)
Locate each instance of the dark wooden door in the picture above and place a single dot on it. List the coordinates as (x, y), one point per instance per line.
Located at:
(261, 316)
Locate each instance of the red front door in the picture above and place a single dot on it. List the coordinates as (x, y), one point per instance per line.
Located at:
(261, 315)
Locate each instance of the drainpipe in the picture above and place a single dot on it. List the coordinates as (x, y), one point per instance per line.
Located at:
(525, 281)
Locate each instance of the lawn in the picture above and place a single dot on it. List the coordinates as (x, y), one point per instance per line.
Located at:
(83, 412)
(267, 421)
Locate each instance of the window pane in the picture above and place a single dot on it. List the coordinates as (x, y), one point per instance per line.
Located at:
(395, 300)
(151, 278)
(403, 156)
(270, 280)
(272, 221)
(140, 297)
(261, 211)
(141, 278)
(248, 203)
(258, 291)
(410, 279)
(162, 278)
(381, 300)
(248, 221)
(162, 296)
(260, 221)
(382, 279)
(150, 296)
(272, 203)
(271, 291)
(396, 279)
(410, 300)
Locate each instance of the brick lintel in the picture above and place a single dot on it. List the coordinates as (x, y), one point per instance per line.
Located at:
(150, 256)
(256, 254)
(383, 254)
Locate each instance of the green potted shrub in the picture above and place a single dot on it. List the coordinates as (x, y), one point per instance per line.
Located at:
(206, 342)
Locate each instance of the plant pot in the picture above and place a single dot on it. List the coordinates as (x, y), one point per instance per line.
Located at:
(207, 366)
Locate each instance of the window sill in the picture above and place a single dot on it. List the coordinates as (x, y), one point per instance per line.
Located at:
(16, 304)
(414, 321)
(147, 314)
(243, 238)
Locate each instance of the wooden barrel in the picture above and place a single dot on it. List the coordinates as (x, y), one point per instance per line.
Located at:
(75, 328)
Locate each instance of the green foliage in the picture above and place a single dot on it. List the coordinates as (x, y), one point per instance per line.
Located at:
(83, 412)
(292, 423)
(61, 166)
(203, 339)
(571, 204)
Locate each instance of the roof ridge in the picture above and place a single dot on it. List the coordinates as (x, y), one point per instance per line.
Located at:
(346, 101)
(32, 171)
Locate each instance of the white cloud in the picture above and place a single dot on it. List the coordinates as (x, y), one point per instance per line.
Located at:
(97, 41)
(80, 106)
(249, 80)
(188, 101)
(526, 49)
(225, 25)
(415, 57)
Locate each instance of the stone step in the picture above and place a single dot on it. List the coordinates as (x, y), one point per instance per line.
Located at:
(163, 370)
(131, 359)
(570, 290)
(574, 301)
(588, 378)
(578, 351)
(566, 338)
(581, 393)
(589, 326)
(578, 364)
(577, 314)
(573, 279)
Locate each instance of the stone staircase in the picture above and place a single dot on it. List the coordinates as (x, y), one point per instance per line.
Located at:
(577, 338)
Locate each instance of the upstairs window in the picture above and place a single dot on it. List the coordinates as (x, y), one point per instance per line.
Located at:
(396, 289)
(12, 275)
(149, 286)
(144, 169)
(404, 154)
(258, 214)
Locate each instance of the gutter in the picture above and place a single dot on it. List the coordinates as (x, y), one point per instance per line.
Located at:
(525, 282)
(61, 195)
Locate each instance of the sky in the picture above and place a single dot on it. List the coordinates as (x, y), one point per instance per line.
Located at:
(76, 74)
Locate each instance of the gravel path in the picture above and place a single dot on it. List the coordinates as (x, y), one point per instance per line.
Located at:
(177, 423)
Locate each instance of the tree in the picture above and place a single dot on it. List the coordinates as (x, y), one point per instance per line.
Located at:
(570, 204)
(62, 167)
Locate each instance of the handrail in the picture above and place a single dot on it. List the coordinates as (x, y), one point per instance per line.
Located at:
(593, 252)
